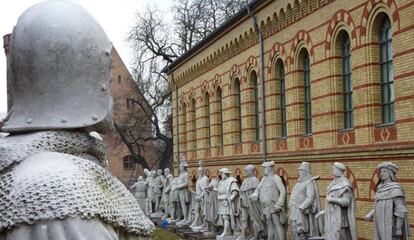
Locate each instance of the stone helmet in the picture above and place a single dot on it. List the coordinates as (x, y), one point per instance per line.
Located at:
(60, 59)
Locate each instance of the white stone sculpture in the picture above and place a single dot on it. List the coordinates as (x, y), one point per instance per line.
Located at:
(210, 207)
(183, 193)
(166, 198)
(140, 192)
(250, 210)
(340, 222)
(271, 193)
(390, 208)
(202, 182)
(158, 190)
(228, 203)
(304, 204)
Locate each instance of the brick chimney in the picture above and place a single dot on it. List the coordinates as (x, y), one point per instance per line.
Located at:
(6, 43)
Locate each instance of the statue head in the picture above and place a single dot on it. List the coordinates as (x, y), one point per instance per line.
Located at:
(201, 169)
(166, 171)
(60, 59)
(146, 172)
(338, 169)
(304, 169)
(268, 168)
(140, 179)
(159, 172)
(387, 171)
(225, 173)
(250, 170)
(153, 173)
(183, 166)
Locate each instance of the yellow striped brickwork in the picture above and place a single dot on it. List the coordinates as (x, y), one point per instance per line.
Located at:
(290, 27)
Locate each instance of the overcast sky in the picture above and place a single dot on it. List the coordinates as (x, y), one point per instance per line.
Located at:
(115, 16)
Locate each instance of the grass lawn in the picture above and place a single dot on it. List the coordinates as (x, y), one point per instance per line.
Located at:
(161, 234)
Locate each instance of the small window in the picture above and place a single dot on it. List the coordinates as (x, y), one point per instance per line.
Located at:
(387, 76)
(283, 125)
(128, 163)
(119, 79)
(238, 108)
(307, 89)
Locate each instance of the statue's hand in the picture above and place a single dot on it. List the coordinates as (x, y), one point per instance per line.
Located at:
(330, 199)
(278, 208)
(254, 197)
(368, 218)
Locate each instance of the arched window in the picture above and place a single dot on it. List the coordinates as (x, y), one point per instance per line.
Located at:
(347, 81)
(237, 98)
(254, 85)
(304, 64)
(281, 74)
(387, 76)
(191, 131)
(220, 115)
(183, 129)
(207, 119)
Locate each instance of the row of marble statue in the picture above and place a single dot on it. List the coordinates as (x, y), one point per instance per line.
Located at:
(258, 209)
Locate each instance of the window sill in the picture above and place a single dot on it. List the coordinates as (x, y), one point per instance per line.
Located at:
(307, 135)
(283, 138)
(346, 130)
(383, 125)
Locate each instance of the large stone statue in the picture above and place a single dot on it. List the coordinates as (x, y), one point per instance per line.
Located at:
(250, 210)
(304, 204)
(202, 182)
(390, 209)
(183, 193)
(210, 208)
(340, 222)
(166, 192)
(140, 192)
(54, 182)
(271, 193)
(150, 191)
(228, 203)
(158, 189)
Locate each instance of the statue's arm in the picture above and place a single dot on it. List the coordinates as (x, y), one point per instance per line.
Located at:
(255, 194)
(310, 196)
(184, 184)
(344, 200)
(282, 192)
(400, 212)
(370, 215)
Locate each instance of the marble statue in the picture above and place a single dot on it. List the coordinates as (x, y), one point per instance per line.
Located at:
(390, 209)
(166, 199)
(183, 193)
(250, 210)
(228, 203)
(340, 222)
(210, 206)
(202, 182)
(54, 179)
(175, 208)
(140, 192)
(150, 191)
(271, 194)
(158, 190)
(304, 204)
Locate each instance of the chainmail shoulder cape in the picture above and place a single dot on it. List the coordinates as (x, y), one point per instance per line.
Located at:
(45, 176)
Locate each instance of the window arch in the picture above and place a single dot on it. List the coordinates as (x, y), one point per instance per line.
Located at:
(237, 104)
(387, 76)
(254, 105)
(280, 76)
(217, 119)
(304, 75)
(183, 129)
(191, 127)
(220, 115)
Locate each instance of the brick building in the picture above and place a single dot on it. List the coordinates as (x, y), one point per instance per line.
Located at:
(124, 91)
(336, 88)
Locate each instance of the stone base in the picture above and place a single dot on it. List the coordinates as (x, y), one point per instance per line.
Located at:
(316, 238)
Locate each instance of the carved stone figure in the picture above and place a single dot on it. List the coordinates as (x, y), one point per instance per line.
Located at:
(166, 192)
(150, 193)
(53, 174)
(228, 203)
(304, 204)
(183, 193)
(202, 182)
(158, 189)
(271, 193)
(210, 208)
(340, 207)
(140, 192)
(250, 210)
(390, 209)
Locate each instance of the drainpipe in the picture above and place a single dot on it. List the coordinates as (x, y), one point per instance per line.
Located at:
(261, 56)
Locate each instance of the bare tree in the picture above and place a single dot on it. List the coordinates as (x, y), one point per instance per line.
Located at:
(156, 43)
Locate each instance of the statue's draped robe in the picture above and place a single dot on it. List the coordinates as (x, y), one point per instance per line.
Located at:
(227, 186)
(390, 204)
(210, 206)
(53, 187)
(166, 193)
(340, 220)
(305, 195)
(201, 184)
(250, 207)
(140, 193)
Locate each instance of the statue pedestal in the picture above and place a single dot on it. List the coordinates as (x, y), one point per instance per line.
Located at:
(316, 238)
